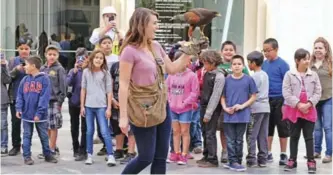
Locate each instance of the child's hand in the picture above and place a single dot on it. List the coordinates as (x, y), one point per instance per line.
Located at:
(238, 107)
(36, 118)
(230, 111)
(83, 112)
(195, 106)
(304, 108)
(115, 104)
(206, 120)
(18, 114)
(108, 113)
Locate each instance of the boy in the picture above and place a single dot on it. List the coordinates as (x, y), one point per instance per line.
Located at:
(74, 79)
(120, 137)
(213, 84)
(57, 76)
(276, 68)
(257, 130)
(31, 105)
(238, 94)
(5, 79)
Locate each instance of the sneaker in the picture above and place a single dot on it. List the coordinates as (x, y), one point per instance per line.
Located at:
(102, 152)
(28, 161)
(4, 152)
(224, 157)
(312, 166)
(315, 155)
(14, 151)
(237, 167)
(76, 154)
(283, 159)
(174, 157)
(81, 157)
(270, 157)
(197, 150)
(203, 159)
(327, 159)
(182, 160)
(207, 164)
(128, 158)
(119, 154)
(111, 161)
(51, 159)
(290, 165)
(262, 164)
(189, 156)
(89, 160)
(56, 150)
(41, 156)
(251, 164)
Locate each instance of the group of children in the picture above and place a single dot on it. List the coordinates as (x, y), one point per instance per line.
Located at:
(215, 91)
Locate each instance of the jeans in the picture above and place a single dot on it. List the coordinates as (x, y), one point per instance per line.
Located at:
(324, 122)
(296, 128)
(153, 145)
(234, 132)
(103, 123)
(42, 129)
(195, 130)
(4, 126)
(74, 113)
(16, 127)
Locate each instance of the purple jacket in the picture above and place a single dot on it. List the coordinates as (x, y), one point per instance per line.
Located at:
(74, 80)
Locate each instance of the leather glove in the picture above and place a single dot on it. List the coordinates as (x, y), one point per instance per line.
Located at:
(195, 46)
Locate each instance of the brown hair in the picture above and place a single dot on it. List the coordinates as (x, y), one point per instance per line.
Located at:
(300, 54)
(35, 60)
(328, 56)
(211, 56)
(137, 27)
(89, 62)
(105, 37)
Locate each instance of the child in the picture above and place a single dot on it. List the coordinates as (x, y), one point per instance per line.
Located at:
(276, 67)
(5, 79)
(17, 73)
(228, 50)
(120, 137)
(96, 84)
(57, 76)
(106, 46)
(239, 93)
(213, 84)
(182, 93)
(257, 130)
(74, 79)
(301, 91)
(32, 101)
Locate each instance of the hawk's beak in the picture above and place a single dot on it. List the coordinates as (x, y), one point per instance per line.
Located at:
(218, 14)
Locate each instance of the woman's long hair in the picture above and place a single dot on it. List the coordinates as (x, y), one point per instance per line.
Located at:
(328, 56)
(89, 62)
(137, 27)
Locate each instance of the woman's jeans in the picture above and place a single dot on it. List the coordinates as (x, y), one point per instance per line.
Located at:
(105, 130)
(153, 145)
(324, 122)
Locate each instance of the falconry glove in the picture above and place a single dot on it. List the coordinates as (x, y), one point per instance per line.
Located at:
(194, 47)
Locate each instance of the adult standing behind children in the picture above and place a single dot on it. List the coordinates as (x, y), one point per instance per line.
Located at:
(276, 68)
(142, 64)
(109, 28)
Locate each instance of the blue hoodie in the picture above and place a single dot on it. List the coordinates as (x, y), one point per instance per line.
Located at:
(74, 80)
(33, 97)
(16, 76)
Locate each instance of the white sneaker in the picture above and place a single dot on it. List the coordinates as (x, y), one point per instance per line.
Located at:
(89, 160)
(111, 161)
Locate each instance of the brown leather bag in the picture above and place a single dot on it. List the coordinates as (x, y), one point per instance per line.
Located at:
(146, 105)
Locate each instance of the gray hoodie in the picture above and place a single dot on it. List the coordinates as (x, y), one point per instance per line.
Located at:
(57, 75)
(5, 79)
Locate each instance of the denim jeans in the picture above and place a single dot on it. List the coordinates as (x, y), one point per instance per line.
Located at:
(103, 124)
(234, 132)
(42, 129)
(195, 129)
(324, 122)
(153, 145)
(4, 126)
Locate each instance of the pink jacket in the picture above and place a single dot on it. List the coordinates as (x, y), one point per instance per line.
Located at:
(183, 90)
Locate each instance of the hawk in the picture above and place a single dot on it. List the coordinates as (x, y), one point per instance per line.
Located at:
(197, 17)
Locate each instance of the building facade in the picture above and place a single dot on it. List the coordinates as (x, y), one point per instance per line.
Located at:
(246, 22)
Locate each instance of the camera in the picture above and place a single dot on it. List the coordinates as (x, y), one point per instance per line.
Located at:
(22, 63)
(111, 18)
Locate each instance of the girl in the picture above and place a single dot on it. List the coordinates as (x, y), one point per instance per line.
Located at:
(182, 93)
(96, 84)
(142, 65)
(17, 73)
(239, 93)
(321, 62)
(301, 91)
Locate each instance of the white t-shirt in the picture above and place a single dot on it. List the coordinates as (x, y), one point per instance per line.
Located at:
(111, 59)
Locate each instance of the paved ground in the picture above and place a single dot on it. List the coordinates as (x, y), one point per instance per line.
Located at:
(67, 165)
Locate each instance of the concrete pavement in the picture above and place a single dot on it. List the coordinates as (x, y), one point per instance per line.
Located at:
(67, 165)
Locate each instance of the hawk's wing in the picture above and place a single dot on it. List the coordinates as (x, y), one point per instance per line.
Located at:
(191, 18)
